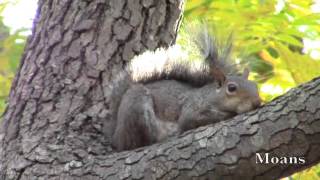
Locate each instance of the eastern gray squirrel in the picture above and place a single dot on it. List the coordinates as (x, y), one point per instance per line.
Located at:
(169, 91)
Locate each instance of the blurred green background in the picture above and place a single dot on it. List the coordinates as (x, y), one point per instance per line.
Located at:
(279, 40)
(15, 24)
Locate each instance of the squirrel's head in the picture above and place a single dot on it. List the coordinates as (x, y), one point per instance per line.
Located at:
(238, 94)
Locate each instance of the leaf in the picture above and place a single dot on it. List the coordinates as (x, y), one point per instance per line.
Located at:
(302, 67)
(288, 39)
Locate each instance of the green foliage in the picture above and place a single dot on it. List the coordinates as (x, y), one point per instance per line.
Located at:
(269, 38)
(11, 48)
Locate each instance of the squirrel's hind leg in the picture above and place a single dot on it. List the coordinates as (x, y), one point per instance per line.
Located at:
(136, 120)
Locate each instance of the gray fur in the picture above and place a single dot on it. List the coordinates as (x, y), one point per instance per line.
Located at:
(170, 96)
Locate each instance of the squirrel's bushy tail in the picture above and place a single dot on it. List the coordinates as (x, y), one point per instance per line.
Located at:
(215, 51)
(194, 63)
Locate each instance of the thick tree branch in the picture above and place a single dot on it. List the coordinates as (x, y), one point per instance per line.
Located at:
(287, 127)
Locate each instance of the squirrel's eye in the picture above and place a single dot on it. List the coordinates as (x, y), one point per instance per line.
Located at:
(232, 87)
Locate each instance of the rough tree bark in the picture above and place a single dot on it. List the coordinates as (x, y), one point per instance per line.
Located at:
(52, 128)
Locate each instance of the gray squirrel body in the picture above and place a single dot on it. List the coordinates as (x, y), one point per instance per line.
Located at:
(154, 102)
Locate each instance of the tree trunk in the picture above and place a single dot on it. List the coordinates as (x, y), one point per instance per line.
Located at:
(58, 101)
(52, 128)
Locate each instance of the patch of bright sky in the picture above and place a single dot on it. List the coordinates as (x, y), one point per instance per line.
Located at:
(20, 15)
(311, 46)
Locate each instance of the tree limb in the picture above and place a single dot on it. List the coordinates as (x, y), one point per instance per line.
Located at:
(289, 126)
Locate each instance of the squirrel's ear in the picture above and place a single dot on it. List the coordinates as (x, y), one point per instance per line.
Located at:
(218, 75)
(245, 73)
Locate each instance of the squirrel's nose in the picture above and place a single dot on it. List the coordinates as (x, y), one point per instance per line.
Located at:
(257, 102)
